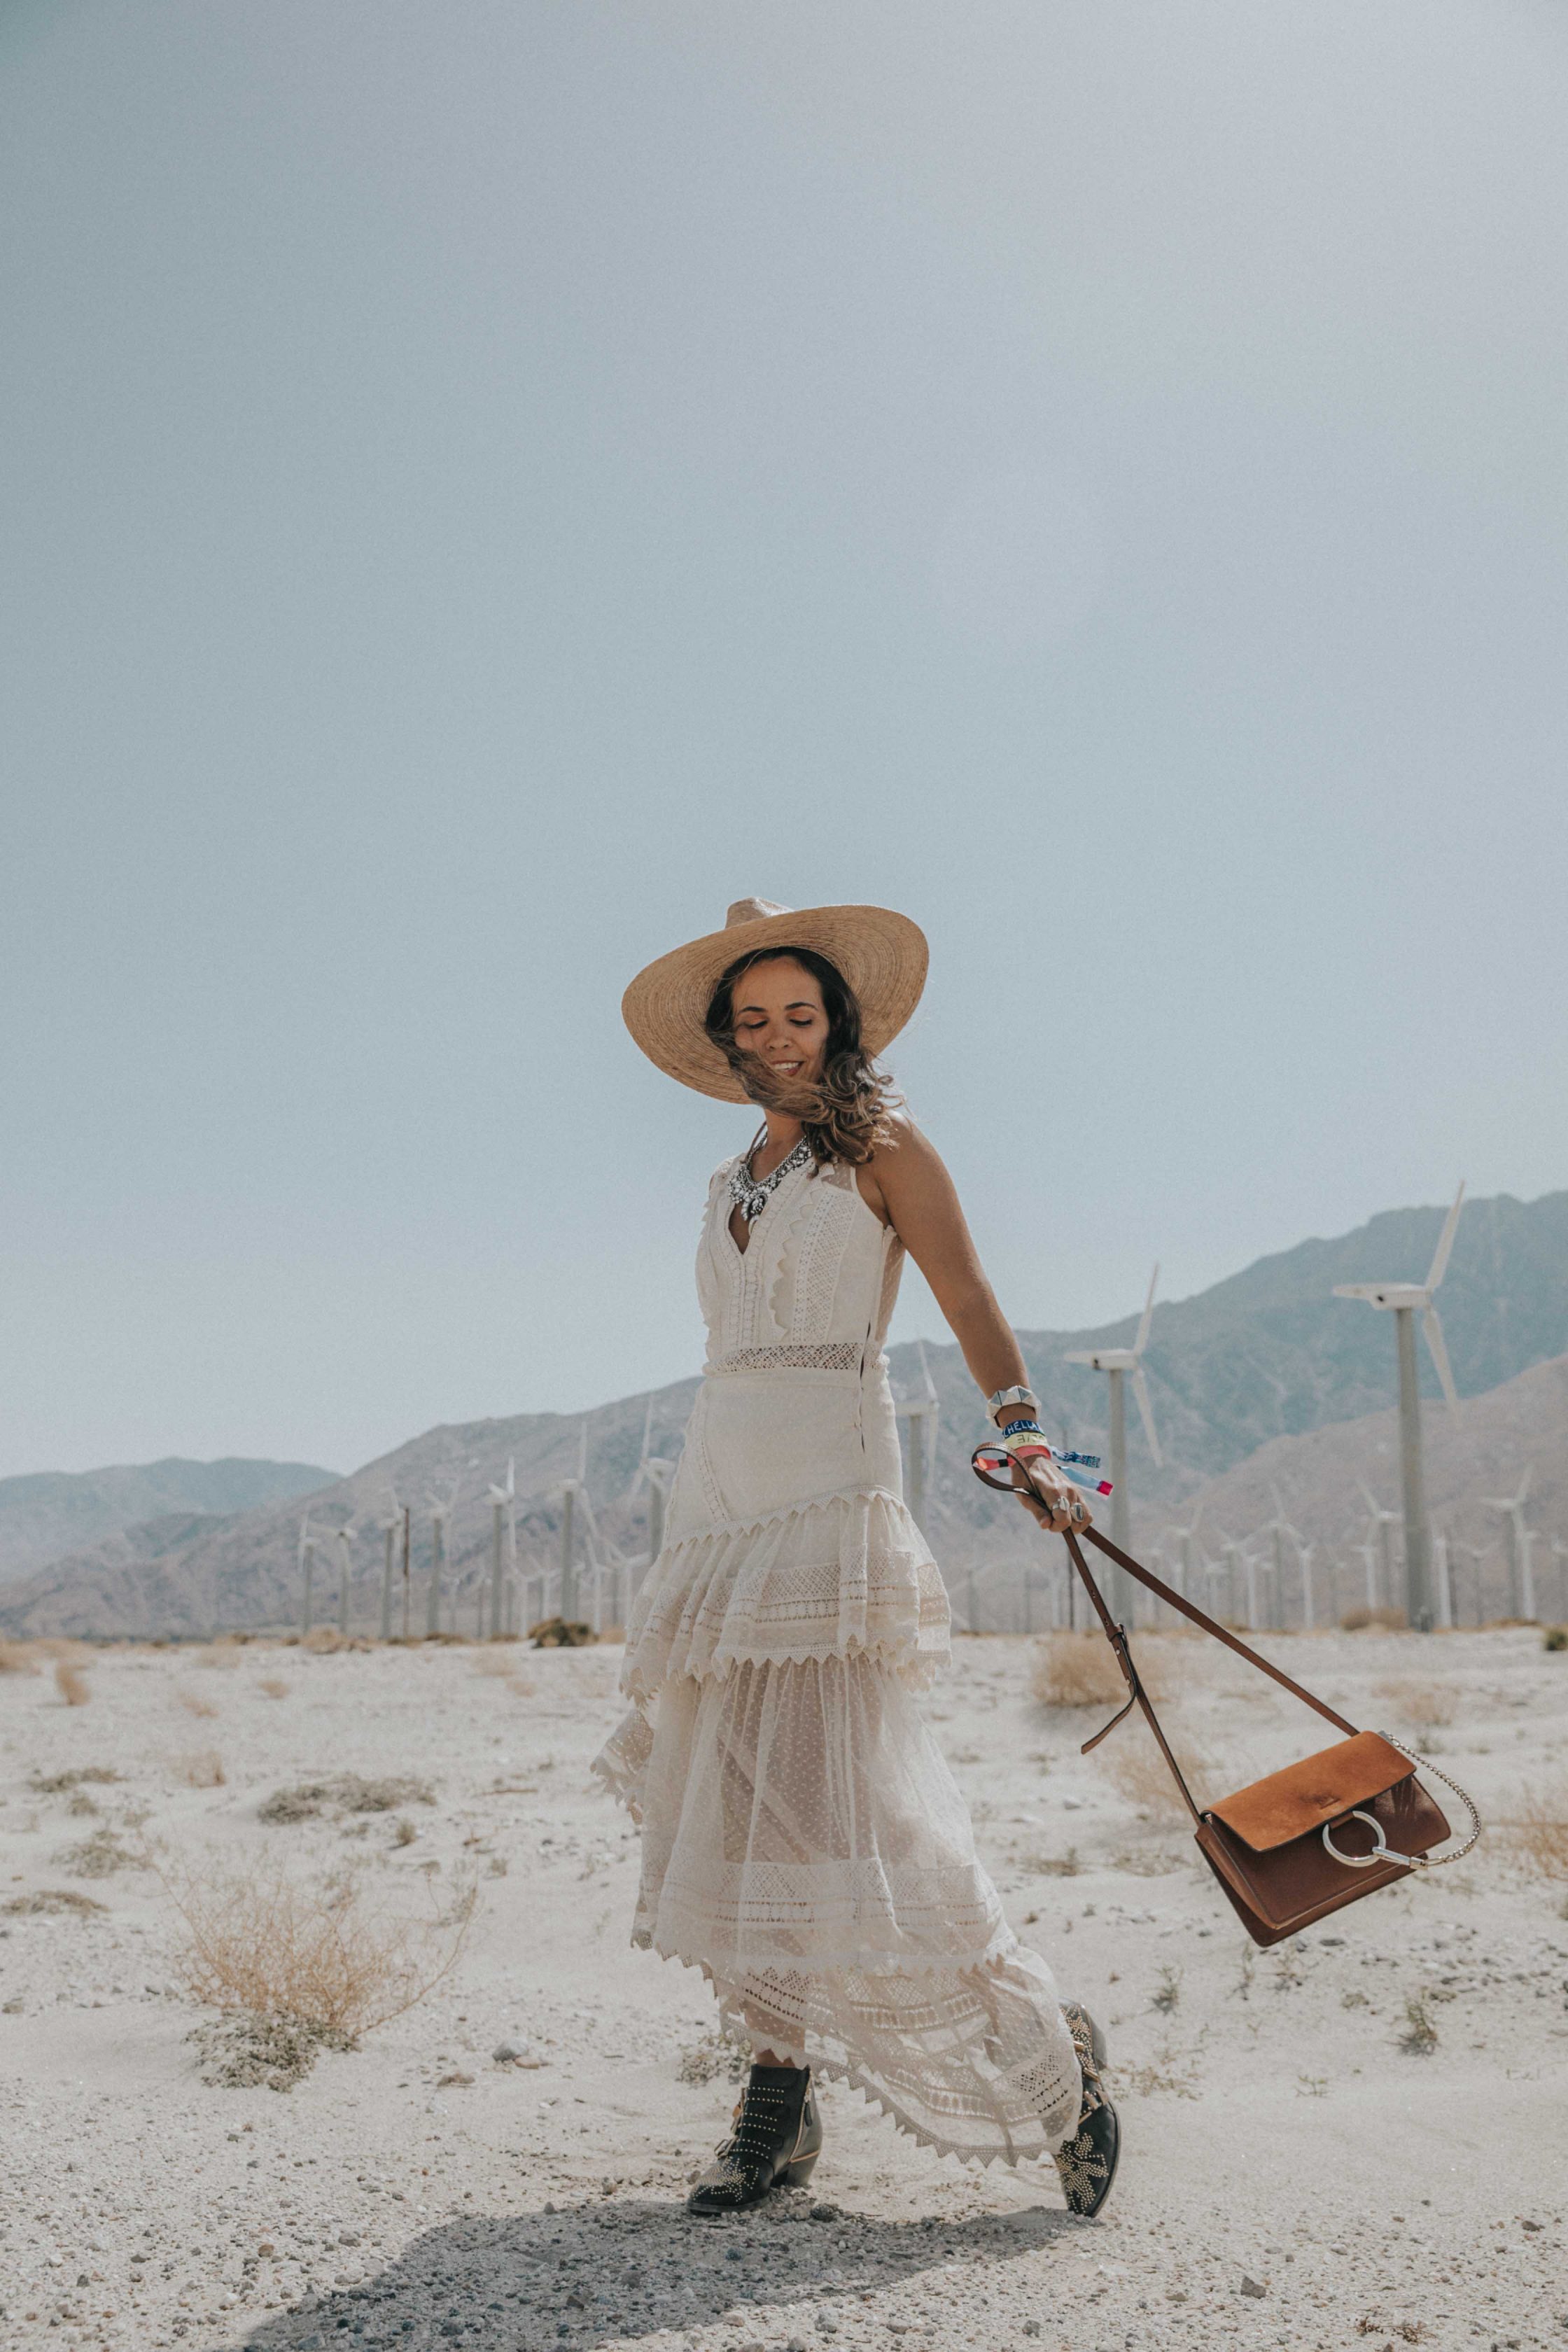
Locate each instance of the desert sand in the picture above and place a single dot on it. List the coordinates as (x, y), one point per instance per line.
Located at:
(1357, 2137)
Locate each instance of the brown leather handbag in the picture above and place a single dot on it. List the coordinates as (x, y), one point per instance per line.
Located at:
(1306, 1841)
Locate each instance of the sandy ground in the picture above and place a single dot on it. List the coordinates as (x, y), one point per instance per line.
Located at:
(1292, 2176)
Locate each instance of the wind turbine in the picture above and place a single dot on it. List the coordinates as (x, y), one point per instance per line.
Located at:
(1444, 1576)
(1521, 1542)
(1382, 1521)
(307, 1567)
(655, 1474)
(503, 1511)
(345, 1535)
(441, 1510)
(1404, 1300)
(1121, 1362)
(921, 1413)
(1279, 1527)
(571, 1489)
(389, 1528)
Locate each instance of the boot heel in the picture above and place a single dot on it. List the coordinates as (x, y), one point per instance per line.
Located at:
(796, 2175)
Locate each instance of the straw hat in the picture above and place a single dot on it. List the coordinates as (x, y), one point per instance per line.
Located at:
(881, 954)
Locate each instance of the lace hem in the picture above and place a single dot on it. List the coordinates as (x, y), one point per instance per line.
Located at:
(1018, 2117)
(843, 1574)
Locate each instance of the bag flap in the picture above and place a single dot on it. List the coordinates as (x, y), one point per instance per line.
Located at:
(1290, 1803)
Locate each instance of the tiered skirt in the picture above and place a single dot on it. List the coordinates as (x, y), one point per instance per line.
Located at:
(804, 1843)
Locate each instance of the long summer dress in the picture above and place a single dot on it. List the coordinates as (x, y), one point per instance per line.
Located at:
(804, 1843)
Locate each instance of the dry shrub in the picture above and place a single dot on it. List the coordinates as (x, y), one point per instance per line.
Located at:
(332, 1960)
(1137, 1772)
(1539, 1830)
(1420, 1703)
(1081, 1670)
(203, 1768)
(71, 1684)
(322, 1641)
(561, 1633)
(224, 1652)
(194, 1704)
(1381, 1620)
(273, 1687)
(345, 1792)
(60, 1784)
(45, 1900)
(97, 1856)
(18, 1658)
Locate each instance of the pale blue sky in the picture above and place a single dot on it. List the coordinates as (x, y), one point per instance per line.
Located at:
(482, 485)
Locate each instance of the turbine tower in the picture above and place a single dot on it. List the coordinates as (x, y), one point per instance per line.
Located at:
(389, 1528)
(571, 1488)
(1122, 1363)
(655, 1474)
(921, 1412)
(345, 1535)
(307, 1567)
(1521, 1542)
(1405, 1300)
(441, 1510)
(503, 1509)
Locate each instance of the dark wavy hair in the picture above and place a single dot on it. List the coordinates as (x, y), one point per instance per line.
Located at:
(847, 1113)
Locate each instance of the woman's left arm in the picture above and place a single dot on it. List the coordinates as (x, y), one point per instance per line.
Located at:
(907, 1182)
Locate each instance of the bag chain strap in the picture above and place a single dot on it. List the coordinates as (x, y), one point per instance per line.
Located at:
(1436, 1860)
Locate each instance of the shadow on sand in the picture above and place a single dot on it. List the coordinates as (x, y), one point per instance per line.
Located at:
(610, 2272)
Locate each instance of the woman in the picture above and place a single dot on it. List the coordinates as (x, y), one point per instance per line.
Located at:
(803, 1840)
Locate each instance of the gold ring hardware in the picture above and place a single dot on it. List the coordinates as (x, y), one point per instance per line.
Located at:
(1381, 1851)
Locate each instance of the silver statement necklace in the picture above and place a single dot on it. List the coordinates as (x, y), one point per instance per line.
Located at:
(750, 1196)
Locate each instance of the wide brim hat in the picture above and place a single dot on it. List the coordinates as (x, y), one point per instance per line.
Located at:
(882, 955)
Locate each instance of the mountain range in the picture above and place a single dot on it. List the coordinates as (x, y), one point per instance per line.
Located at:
(1268, 1355)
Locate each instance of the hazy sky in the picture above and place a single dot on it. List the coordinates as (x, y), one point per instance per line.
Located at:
(482, 485)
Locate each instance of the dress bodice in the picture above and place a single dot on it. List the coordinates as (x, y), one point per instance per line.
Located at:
(816, 1286)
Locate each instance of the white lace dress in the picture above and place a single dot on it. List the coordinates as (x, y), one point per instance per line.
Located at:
(803, 1840)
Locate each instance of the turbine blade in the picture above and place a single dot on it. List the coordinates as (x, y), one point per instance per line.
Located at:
(1138, 1344)
(1079, 1356)
(1140, 1391)
(1445, 1242)
(1434, 1331)
(1524, 1481)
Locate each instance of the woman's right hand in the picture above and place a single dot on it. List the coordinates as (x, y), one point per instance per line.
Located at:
(1051, 1498)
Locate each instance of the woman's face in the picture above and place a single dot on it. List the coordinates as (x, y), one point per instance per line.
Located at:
(779, 1016)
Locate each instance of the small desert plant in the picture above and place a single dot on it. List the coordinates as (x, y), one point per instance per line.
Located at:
(202, 1769)
(1539, 1830)
(46, 1899)
(97, 1856)
(1381, 1620)
(18, 1658)
(224, 1652)
(274, 1947)
(1081, 1670)
(60, 1784)
(727, 2053)
(1168, 1991)
(561, 1633)
(273, 1687)
(1419, 2038)
(324, 1641)
(194, 1704)
(71, 1684)
(243, 2052)
(1555, 1638)
(1420, 1704)
(345, 1792)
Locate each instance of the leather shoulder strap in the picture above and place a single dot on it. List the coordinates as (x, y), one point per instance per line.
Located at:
(1199, 1617)
(1137, 1695)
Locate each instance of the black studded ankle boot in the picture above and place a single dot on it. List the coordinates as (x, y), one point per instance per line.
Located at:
(775, 2142)
(1086, 2164)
